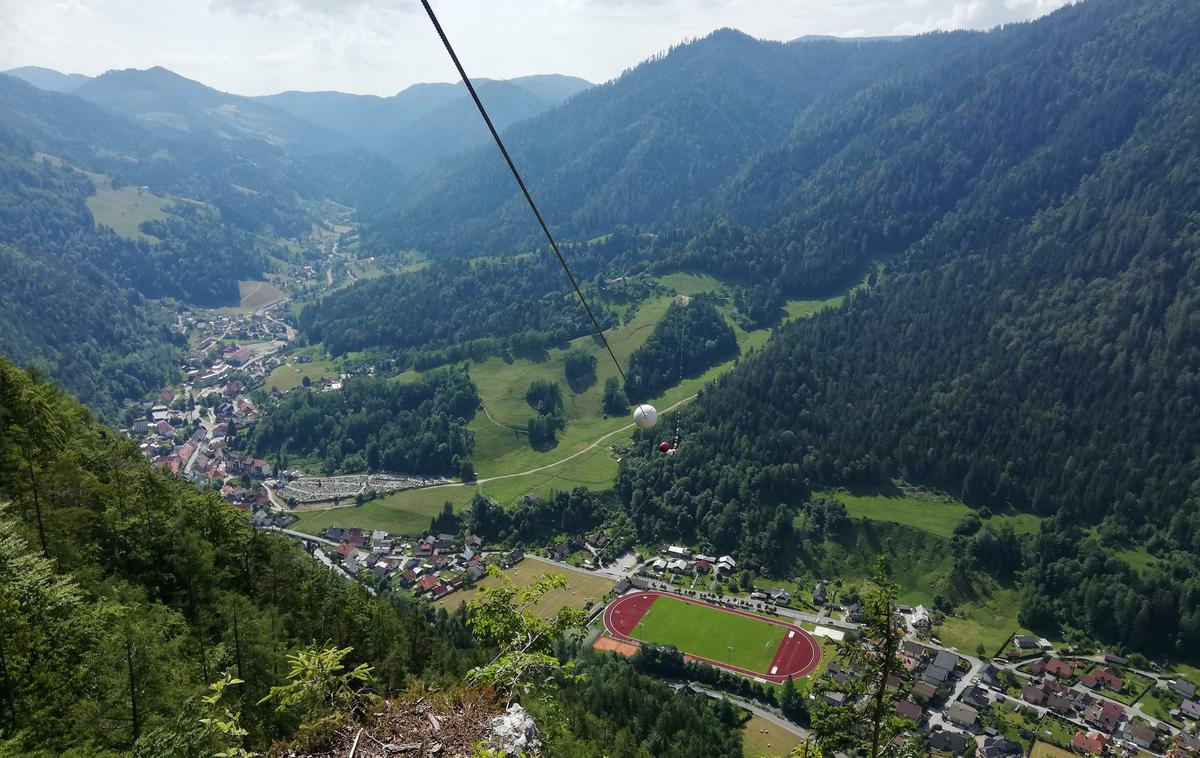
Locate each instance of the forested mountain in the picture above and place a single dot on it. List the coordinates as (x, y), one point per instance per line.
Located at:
(425, 123)
(163, 99)
(1034, 348)
(662, 137)
(48, 79)
(126, 592)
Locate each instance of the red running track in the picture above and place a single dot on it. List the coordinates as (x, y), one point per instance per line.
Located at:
(797, 656)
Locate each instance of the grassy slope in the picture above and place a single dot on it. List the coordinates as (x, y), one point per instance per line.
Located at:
(125, 209)
(936, 514)
(709, 633)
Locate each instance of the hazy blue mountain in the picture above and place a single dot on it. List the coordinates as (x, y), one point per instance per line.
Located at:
(424, 123)
(49, 79)
(166, 100)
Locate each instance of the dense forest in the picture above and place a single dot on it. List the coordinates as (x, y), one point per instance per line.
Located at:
(450, 310)
(126, 592)
(375, 424)
(691, 337)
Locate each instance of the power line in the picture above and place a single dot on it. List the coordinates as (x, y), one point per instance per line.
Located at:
(521, 183)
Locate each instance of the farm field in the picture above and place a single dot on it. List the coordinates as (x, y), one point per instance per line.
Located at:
(1046, 750)
(764, 739)
(582, 586)
(710, 633)
(254, 295)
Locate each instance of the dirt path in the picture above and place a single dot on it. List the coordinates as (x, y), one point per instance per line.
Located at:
(491, 418)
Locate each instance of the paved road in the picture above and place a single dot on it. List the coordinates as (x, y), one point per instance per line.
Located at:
(757, 709)
(607, 573)
(301, 535)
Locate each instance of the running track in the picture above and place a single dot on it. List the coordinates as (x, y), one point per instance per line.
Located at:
(797, 655)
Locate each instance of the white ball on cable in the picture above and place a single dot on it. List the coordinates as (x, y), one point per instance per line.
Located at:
(645, 416)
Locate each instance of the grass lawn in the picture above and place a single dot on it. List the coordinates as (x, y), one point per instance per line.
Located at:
(989, 622)
(1056, 732)
(711, 633)
(1008, 719)
(1159, 702)
(125, 209)
(1046, 750)
(582, 586)
(765, 739)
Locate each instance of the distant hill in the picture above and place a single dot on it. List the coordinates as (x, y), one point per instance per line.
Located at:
(424, 123)
(49, 79)
(166, 100)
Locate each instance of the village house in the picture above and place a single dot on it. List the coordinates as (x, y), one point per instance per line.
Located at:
(909, 710)
(1190, 709)
(999, 747)
(924, 691)
(1060, 669)
(920, 618)
(675, 551)
(445, 542)
(1026, 642)
(820, 594)
(1141, 735)
(1104, 715)
(961, 714)
(425, 546)
(1093, 743)
(935, 674)
(948, 741)
(778, 596)
(1183, 688)
(1033, 694)
(726, 564)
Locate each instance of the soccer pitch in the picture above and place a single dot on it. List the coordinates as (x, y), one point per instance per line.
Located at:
(707, 632)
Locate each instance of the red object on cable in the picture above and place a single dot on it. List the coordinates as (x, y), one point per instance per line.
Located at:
(664, 447)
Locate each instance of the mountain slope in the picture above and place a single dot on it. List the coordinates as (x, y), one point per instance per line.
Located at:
(49, 79)
(637, 150)
(1034, 348)
(166, 100)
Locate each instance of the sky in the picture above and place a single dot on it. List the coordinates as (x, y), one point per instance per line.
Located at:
(256, 47)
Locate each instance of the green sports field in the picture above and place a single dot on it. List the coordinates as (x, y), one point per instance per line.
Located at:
(708, 633)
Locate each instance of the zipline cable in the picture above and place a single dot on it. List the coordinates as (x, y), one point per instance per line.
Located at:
(521, 183)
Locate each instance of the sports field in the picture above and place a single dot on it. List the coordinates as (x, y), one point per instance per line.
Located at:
(736, 640)
(741, 641)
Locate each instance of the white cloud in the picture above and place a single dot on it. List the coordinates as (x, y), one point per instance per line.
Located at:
(381, 46)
